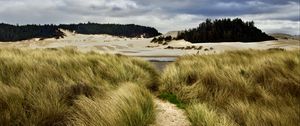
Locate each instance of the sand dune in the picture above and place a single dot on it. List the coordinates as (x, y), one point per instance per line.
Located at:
(142, 46)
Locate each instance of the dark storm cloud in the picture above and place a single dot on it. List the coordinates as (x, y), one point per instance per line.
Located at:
(162, 14)
(221, 7)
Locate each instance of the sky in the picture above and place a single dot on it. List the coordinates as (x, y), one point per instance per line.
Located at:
(272, 16)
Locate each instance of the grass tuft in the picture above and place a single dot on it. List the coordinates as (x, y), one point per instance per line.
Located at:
(67, 87)
(171, 98)
(237, 88)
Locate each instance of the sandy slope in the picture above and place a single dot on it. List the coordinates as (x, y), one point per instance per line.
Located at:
(173, 34)
(169, 115)
(142, 46)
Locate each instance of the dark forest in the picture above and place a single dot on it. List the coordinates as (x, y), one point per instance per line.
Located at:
(221, 30)
(16, 33)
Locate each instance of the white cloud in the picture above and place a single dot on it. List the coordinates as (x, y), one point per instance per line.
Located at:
(279, 26)
(164, 15)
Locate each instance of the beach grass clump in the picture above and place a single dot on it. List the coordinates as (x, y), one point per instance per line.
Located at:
(117, 109)
(67, 87)
(237, 87)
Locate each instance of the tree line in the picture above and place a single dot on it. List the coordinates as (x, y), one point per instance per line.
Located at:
(222, 30)
(16, 33)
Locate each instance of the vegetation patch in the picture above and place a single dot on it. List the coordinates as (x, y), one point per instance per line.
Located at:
(67, 87)
(171, 98)
(23, 32)
(237, 87)
(219, 30)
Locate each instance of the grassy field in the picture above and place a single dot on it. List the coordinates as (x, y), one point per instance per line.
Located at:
(65, 87)
(236, 88)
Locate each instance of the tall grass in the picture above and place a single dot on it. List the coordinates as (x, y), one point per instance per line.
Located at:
(237, 88)
(66, 87)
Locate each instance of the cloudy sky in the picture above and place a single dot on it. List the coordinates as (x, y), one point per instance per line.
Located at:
(165, 15)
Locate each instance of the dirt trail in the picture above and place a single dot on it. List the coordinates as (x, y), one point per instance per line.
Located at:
(169, 115)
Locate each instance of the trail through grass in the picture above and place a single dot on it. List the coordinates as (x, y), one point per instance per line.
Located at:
(67, 87)
(167, 114)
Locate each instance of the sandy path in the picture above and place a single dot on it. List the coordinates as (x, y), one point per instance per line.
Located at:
(169, 115)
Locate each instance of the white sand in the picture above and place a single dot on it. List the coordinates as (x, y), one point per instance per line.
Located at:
(179, 43)
(173, 34)
(169, 115)
(139, 46)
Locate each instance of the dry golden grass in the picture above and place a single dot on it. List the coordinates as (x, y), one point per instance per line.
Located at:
(237, 88)
(66, 87)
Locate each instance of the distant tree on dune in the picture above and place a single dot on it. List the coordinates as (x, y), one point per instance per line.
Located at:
(221, 30)
(16, 32)
(129, 30)
(224, 30)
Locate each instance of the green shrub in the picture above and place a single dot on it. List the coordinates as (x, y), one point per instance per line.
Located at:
(171, 98)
